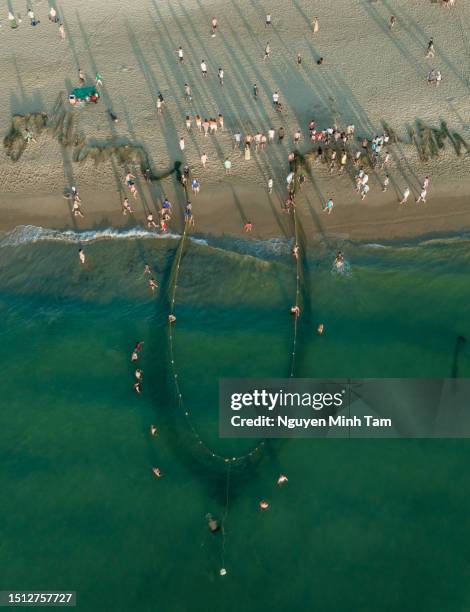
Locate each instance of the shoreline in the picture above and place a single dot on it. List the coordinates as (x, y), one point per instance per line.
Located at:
(222, 210)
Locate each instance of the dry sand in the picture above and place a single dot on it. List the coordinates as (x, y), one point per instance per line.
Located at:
(370, 75)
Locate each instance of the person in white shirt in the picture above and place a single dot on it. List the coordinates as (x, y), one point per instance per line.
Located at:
(422, 196)
(203, 68)
(406, 195)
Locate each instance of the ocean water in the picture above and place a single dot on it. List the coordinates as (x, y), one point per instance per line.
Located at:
(361, 525)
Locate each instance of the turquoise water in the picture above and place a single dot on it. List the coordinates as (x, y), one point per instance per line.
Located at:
(361, 525)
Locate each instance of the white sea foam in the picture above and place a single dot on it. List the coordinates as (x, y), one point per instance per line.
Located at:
(28, 234)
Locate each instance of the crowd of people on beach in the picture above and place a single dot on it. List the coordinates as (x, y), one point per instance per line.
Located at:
(339, 147)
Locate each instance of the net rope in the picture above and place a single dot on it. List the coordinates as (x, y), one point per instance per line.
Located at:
(172, 320)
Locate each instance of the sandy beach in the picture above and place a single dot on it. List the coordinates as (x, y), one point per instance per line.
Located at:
(370, 75)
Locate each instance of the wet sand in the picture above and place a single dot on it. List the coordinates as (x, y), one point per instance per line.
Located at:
(223, 209)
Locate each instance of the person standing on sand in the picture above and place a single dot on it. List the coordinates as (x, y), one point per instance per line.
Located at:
(53, 15)
(203, 159)
(426, 183)
(268, 20)
(430, 53)
(76, 210)
(81, 76)
(237, 138)
(406, 195)
(281, 133)
(213, 26)
(98, 80)
(187, 93)
(129, 179)
(32, 18)
(270, 185)
(182, 143)
(180, 55)
(329, 206)
(195, 186)
(386, 183)
(298, 60)
(228, 166)
(315, 25)
(247, 151)
(126, 207)
(151, 222)
(422, 196)
(62, 32)
(248, 226)
(255, 91)
(203, 68)
(29, 136)
(220, 74)
(392, 22)
(267, 51)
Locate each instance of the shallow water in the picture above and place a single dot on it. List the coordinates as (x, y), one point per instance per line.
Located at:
(360, 523)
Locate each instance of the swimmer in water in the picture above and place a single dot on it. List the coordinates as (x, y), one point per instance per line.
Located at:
(212, 523)
(264, 505)
(295, 251)
(282, 479)
(139, 374)
(320, 329)
(153, 430)
(339, 259)
(81, 256)
(137, 388)
(153, 284)
(147, 269)
(171, 318)
(295, 310)
(136, 351)
(157, 472)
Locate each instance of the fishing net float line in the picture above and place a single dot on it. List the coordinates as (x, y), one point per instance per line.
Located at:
(171, 337)
(298, 270)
